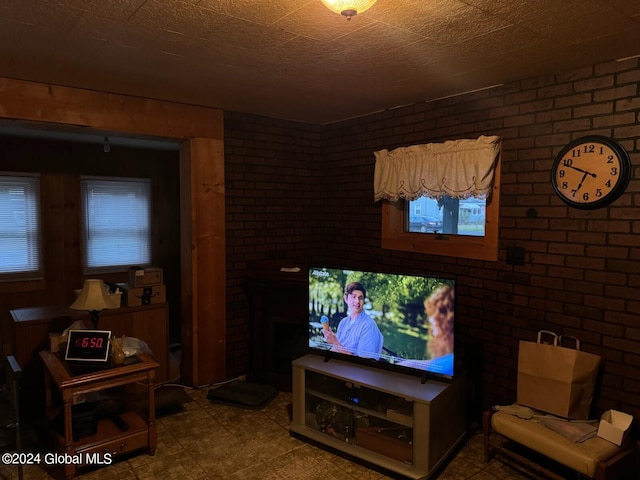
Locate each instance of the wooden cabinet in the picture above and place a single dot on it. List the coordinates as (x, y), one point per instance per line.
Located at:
(31, 328)
(148, 324)
(386, 419)
(138, 428)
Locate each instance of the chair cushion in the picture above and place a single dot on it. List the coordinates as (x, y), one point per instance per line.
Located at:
(581, 457)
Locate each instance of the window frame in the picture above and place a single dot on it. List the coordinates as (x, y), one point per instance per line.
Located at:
(395, 236)
(38, 272)
(91, 270)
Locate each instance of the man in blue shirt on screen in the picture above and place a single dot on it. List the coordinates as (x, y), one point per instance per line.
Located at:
(357, 334)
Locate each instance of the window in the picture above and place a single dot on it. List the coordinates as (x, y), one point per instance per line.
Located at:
(20, 242)
(447, 215)
(441, 199)
(117, 223)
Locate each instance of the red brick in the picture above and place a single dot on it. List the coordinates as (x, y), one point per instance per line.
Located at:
(615, 93)
(614, 120)
(572, 100)
(593, 110)
(594, 83)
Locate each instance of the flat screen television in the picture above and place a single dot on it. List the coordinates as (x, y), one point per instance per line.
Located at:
(390, 320)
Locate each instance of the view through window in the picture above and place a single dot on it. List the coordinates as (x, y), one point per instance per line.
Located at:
(448, 215)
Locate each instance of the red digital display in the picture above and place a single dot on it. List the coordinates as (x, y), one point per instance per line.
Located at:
(89, 342)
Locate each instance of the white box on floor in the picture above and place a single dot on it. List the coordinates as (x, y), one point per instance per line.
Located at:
(615, 426)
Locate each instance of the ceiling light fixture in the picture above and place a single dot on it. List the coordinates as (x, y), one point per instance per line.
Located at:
(348, 8)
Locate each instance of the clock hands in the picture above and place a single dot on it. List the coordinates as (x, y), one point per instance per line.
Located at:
(573, 192)
(582, 171)
(586, 174)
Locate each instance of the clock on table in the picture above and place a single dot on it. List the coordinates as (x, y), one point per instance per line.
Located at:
(591, 172)
(88, 347)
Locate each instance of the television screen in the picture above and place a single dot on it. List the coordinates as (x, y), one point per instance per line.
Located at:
(393, 320)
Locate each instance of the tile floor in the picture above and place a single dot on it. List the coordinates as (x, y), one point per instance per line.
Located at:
(212, 441)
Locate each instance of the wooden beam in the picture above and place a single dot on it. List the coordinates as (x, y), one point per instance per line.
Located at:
(41, 102)
(203, 248)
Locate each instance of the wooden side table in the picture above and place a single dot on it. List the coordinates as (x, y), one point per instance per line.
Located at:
(31, 327)
(109, 438)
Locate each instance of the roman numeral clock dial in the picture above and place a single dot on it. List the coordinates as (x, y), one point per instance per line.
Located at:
(591, 172)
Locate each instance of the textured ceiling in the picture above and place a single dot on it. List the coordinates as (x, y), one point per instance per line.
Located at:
(296, 60)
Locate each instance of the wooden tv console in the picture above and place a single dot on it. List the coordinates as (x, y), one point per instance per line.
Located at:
(385, 419)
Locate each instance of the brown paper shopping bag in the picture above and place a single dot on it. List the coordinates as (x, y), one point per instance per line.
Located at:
(556, 379)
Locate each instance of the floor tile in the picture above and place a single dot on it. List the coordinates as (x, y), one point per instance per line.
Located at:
(209, 441)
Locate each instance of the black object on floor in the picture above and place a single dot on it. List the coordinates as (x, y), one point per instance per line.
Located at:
(169, 400)
(254, 396)
(169, 409)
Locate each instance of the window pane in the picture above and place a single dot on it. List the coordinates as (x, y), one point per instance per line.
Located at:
(448, 216)
(20, 225)
(117, 220)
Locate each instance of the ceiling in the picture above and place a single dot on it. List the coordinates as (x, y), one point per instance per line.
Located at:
(296, 60)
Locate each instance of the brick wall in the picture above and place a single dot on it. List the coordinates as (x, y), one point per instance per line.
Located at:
(270, 181)
(581, 272)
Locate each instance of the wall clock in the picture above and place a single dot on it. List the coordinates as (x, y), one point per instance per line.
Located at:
(591, 172)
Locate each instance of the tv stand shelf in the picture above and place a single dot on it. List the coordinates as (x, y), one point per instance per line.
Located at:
(389, 420)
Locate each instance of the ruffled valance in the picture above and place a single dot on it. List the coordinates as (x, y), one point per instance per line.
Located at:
(456, 168)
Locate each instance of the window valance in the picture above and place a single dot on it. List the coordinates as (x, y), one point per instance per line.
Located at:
(455, 168)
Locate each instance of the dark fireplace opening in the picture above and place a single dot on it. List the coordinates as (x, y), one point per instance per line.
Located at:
(289, 341)
(279, 307)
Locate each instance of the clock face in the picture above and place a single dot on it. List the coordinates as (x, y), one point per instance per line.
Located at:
(591, 172)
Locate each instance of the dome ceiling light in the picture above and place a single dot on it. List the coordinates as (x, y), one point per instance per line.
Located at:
(348, 8)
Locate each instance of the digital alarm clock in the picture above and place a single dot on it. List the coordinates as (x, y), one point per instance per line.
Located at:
(91, 346)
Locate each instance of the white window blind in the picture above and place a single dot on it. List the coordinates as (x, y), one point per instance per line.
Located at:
(117, 223)
(20, 242)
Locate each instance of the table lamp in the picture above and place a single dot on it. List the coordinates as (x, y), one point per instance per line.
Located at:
(92, 298)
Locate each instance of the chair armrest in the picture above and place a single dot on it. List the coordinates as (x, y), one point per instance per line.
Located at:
(14, 366)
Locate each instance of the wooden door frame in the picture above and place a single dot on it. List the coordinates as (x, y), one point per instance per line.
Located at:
(200, 134)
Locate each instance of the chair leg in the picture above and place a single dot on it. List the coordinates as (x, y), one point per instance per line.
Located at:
(486, 433)
(13, 371)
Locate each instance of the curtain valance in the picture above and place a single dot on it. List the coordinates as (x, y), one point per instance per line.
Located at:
(455, 168)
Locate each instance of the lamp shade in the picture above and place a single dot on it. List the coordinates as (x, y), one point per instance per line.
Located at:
(348, 8)
(93, 296)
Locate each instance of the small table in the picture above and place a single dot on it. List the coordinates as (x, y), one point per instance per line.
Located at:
(109, 440)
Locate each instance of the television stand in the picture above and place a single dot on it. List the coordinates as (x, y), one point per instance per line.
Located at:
(390, 421)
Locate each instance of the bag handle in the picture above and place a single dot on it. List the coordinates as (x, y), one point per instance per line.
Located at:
(575, 339)
(548, 332)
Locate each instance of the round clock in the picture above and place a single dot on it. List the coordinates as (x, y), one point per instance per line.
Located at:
(591, 172)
